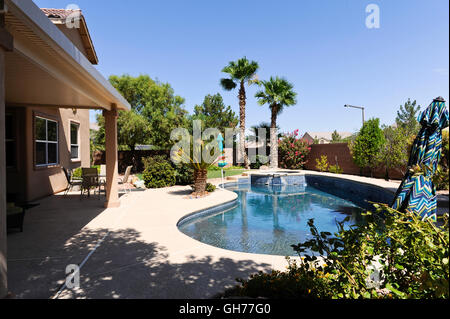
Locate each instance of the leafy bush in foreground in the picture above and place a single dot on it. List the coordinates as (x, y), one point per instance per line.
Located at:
(396, 256)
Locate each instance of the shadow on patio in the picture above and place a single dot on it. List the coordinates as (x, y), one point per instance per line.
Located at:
(122, 266)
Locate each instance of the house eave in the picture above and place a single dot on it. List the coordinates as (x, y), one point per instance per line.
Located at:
(68, 59)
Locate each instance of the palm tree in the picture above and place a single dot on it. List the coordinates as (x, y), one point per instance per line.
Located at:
(278, 93)
(240, 71)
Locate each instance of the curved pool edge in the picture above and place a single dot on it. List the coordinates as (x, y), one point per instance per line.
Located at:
(207, 211)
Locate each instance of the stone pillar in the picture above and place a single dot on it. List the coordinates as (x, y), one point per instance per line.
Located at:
(112, 172)
(6, 44)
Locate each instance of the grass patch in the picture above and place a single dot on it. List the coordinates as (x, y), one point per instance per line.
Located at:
(227, 172)
(214, 173)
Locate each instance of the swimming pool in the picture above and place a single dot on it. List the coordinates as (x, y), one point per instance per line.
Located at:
(268, 219)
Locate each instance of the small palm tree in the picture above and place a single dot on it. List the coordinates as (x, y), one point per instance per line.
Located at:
(277, 93)
(199, 165)
(240, 71)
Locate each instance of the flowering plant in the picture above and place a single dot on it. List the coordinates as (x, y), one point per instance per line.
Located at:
(292, 151)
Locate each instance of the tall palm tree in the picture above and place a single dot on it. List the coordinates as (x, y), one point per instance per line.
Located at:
(240, 72)
(277, 93)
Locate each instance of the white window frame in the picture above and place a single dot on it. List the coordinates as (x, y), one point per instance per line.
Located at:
(78, 140)
(46, 141)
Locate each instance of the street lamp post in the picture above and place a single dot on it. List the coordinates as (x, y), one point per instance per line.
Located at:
(357, 107)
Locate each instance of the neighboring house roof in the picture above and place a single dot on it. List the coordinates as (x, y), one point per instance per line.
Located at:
(62, 16)
(326, 135)
(254, 144)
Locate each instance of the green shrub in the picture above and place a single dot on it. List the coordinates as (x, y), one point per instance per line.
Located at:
(184, 174)
(410, 254)
(158, 172)
(336, 169)
(77, 172)
(322, 163)
(210, 187)
(258, 160)
(151, 160)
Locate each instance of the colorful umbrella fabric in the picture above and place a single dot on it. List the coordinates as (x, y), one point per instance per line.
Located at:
(417, 192)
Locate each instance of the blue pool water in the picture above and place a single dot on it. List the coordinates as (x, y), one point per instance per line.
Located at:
(269, 219)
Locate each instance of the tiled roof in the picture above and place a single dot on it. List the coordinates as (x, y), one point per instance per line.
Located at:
(58, 13)
(63, 16)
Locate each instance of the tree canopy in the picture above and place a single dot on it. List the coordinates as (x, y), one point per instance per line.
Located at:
(368, 144)
(156, 103)
(214, 114)
(407, 117)
(132, 129)
(336, 137)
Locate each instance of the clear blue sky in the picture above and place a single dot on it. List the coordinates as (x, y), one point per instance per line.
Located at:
(323, 47)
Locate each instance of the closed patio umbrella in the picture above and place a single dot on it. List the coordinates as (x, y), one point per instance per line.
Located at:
(417, 192)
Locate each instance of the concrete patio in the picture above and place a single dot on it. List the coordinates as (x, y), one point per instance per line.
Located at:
(137, 250)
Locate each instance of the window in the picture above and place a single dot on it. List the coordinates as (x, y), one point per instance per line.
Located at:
(74, 141)
(46, 141)
(10, 141)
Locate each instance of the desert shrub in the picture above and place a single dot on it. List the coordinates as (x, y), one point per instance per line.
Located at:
(336, 169)
(292, 151)
(210, 187)
(391, 255)
(184, 174)
(151, 160)
(257, 161)
(322, 163)
(158, 172)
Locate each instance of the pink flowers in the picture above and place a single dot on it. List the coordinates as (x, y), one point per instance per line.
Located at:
(293, 150)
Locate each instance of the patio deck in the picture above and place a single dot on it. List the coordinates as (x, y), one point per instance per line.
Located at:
(138, 250)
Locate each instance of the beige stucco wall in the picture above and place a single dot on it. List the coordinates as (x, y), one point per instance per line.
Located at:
(33, 182)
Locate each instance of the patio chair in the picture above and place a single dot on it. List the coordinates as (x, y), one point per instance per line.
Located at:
(71, 182)
(124, 179)
(89, 179)
(102, 178)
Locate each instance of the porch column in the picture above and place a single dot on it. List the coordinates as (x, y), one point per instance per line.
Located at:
(6, 44)
(112, 172)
